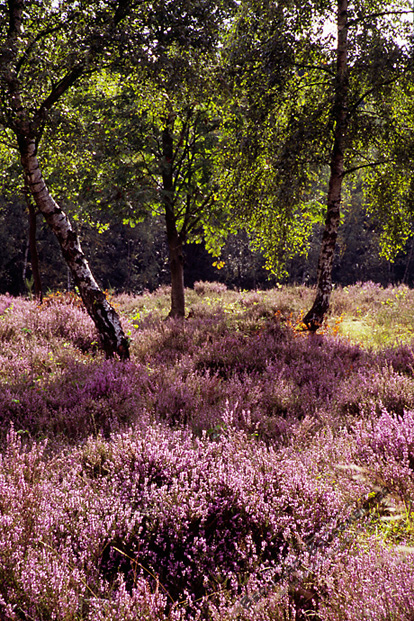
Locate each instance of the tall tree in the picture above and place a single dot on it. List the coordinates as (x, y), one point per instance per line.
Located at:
(155, 138)
(318, 107)
(313, 319)
(43, 52)
(46, 48)
(173, 139)
(346, 108)
(172, 135)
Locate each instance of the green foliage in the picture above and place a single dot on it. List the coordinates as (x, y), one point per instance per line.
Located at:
(129, 136)
(275, 120)
(250, 88)
(389, 189)
(280, 122)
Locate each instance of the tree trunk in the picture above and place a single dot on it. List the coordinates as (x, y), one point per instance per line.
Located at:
(25, 260)
(175, 247)
(407, 265)
(102, 313)
(314, 318)
(175, 241)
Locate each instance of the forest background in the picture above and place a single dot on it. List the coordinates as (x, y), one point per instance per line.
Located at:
(135, 259)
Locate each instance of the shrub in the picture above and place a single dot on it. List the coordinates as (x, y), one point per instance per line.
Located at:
(380, 580)
(386, 446)
(203, 288)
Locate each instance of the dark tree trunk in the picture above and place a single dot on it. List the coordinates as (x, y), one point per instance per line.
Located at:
(175, 241)
(407, 265)
(34, 257)
(175, 247)
(314, 318)
(102, 313)
(25, 260)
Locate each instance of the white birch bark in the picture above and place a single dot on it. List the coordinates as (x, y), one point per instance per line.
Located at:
(27, 126)
(105, 317)
(314, 318)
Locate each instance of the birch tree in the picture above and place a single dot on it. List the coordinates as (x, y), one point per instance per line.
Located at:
(347, 103)
(44, 51)
(311, 116)
(340, 119)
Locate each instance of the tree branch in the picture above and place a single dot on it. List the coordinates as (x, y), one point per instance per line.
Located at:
(39, 37)
(147, 169)
(321, 67)
(15, 18)
(122, 10)
(57, 92)
(374, 15)
(8, 50)
(372, 90)
(194, 219)
(369, 165)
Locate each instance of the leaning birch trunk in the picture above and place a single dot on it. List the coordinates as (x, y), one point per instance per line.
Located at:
(314, 318)
(102, 313)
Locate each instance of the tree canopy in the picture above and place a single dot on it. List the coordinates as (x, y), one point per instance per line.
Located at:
(308, 110)
(218, 117)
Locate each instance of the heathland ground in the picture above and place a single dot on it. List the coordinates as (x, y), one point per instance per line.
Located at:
(206, 477)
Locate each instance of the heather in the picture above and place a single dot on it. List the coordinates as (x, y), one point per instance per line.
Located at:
(173, 485)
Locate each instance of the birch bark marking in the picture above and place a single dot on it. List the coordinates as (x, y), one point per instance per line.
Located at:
(102, 313)
(314, 318)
